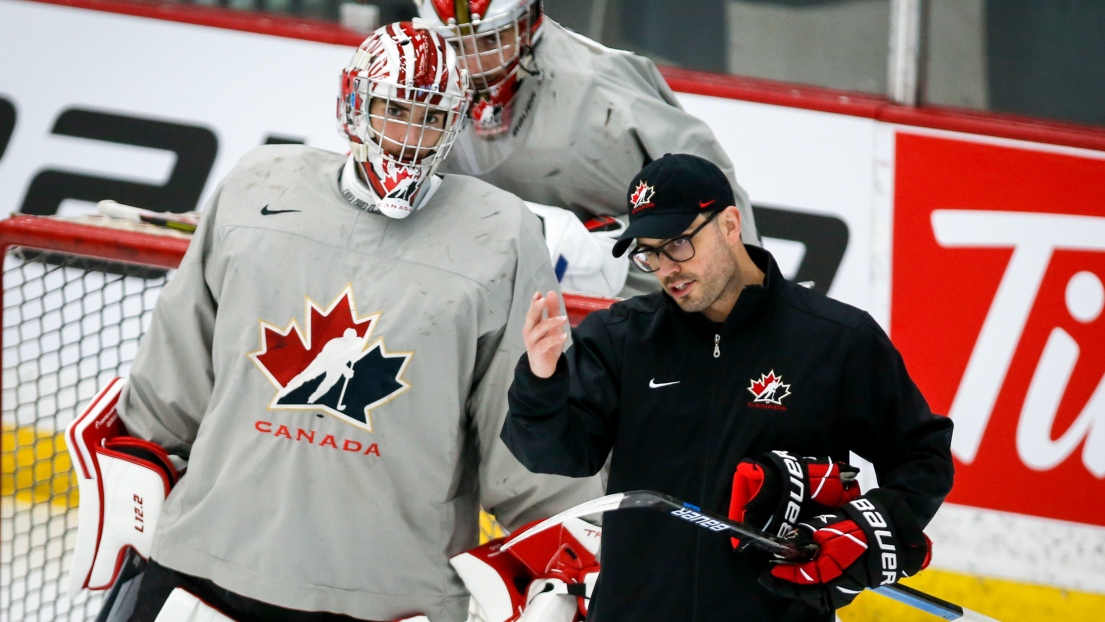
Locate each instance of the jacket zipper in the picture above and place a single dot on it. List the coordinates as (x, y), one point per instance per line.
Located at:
(698, 536)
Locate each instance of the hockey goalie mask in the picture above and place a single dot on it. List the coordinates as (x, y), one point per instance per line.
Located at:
(494, 39)
(401, 105)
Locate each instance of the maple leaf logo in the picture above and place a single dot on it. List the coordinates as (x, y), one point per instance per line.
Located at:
(331, 365)
(394, 180)
(769, 389)
(487, 113)
(642, 196)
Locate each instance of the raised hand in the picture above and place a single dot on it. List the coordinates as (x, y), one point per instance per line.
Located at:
(544, 333)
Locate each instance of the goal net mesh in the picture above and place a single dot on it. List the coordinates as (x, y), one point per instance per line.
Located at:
(70, 324)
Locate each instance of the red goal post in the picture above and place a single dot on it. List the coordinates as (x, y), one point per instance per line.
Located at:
(77, 297)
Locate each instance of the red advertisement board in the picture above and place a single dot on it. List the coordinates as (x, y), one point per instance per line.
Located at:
(996, 305)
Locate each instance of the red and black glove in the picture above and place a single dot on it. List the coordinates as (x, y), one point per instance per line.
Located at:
(775, 492)
(872, 541)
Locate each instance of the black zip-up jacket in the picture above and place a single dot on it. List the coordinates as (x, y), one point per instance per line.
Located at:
(680, 400)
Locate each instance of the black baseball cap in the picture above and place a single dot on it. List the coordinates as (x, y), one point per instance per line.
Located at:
(666, 196)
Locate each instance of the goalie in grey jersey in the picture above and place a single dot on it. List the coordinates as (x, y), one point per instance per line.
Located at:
(561, 120)
(332, 358)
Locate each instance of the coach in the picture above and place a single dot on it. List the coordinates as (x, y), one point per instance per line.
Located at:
(690, 391)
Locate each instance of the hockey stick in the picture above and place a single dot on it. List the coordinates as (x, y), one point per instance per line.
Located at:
(345, 386)
(647, 499)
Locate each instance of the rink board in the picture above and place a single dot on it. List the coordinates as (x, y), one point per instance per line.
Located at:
(894, 178)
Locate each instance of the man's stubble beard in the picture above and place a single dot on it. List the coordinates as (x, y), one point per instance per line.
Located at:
(716, 278)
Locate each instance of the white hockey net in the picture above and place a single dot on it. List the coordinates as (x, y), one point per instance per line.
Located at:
(73, 315)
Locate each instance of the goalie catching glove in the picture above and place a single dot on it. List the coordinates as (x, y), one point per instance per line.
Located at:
(871, 541)
(777, 491)
(123, 482)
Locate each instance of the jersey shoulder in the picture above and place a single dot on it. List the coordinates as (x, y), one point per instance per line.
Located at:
(559, 32)
(567, 53)
(276, 157)
(469, 197)
(269, 175)
(467, 208)
(483, 233)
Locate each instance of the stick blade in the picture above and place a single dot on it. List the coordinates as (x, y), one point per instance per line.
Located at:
(587, 508)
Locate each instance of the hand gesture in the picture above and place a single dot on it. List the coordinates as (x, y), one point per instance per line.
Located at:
(544, 333)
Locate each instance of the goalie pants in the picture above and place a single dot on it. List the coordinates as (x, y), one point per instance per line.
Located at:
(158, 582)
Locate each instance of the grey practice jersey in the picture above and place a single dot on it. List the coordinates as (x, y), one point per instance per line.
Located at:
(338, 380)
(584, 126)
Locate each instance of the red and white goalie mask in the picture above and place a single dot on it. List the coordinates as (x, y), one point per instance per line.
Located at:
(401, 105)
(494, 40)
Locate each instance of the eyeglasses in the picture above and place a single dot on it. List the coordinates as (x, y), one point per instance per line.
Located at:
(678, 249)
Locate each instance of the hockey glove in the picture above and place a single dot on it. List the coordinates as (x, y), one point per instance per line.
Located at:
(866, 544)
(775, 492)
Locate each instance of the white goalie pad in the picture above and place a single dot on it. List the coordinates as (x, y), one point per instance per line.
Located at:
(123, 482)
(582, 259)
(546, 578)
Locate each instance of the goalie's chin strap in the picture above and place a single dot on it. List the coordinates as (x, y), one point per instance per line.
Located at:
(358, 193)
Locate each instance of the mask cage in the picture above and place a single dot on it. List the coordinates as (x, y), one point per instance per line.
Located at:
(409, 126)
(480, 48)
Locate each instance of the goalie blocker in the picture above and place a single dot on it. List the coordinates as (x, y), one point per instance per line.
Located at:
(123, 482)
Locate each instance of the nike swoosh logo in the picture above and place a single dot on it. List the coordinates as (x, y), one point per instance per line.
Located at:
(704, 205)
(652, 384)
(265, 211)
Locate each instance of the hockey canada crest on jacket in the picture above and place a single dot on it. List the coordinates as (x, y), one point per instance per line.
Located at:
(769, 389)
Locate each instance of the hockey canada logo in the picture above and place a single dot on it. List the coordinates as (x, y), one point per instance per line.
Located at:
(488, 116)
(332, 365)
(769, 391)
(641, 197)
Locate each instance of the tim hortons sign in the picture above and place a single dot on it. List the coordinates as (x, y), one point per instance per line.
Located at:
(996, 303)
